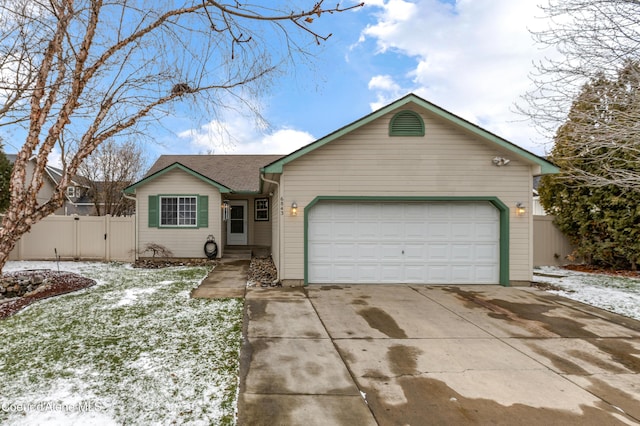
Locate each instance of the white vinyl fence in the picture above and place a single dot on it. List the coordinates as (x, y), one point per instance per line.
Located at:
(103, 238)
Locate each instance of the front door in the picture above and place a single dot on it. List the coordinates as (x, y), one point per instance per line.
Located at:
(237, 223)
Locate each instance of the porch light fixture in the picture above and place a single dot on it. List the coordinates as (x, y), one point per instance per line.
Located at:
(520, 209)
(225, 210)
(294, 209)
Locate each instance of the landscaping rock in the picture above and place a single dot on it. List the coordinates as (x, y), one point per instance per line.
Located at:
(262, 272)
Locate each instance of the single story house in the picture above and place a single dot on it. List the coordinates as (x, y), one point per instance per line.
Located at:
(410, 193)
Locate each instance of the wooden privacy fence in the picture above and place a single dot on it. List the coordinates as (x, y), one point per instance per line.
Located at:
(103, 238)
(550, 246)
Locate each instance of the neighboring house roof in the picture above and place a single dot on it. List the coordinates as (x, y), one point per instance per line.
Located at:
(545, 167)
(230, 173)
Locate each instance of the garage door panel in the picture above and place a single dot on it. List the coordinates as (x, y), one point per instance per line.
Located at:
(390, 272)
(321, 231)
(413, 242)
(344, 273)
(320, 252)
(390, 252)
(390, 230)
(462, 252)
(414, 273)
(414, 252)
(485, 231)
(462, 274)
(321, 272)
(438, 231)
(345, 251)
(368, 273)
(485, 275)
(438, 274)
(367, 230)
(486, 252)
(438, 252)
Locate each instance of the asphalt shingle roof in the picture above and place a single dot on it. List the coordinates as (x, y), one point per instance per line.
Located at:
(239, 172)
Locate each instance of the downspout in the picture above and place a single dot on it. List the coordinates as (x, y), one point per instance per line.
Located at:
(135, 222)
(279, 226)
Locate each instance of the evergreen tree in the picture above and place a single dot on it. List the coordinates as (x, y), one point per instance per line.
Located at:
(601, 220)
(5, 177)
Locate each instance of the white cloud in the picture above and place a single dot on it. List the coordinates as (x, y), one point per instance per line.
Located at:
(241, 136)
(471, 58)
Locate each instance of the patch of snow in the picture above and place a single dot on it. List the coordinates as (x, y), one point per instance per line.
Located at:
(616, 294)
(132, 295)
(68, 403)
(163, 359)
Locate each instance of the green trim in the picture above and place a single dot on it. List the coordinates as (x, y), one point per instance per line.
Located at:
(545, 166)
(153, 212)
(131, 188)
(502, 209)
(406, 123)
(202, 218)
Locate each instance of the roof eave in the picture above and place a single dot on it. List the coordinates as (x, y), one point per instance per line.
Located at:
(131, 189)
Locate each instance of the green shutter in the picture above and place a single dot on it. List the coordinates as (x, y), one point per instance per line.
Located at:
(153, 211)
(203, 211)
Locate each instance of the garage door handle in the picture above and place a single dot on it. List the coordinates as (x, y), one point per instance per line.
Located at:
(402, 251)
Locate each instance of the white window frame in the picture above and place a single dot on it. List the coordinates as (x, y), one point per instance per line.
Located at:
(182, 220)
(261, 214)
(71, 191)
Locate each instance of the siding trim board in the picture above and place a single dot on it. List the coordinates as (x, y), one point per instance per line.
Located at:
(495, 201)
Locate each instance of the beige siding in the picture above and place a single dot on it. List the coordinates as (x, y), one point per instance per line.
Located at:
(446, 162)
(183, 242)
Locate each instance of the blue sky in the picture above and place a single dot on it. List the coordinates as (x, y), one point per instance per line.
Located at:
(470, 57)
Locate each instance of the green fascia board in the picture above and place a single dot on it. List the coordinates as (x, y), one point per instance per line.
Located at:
(131, 188)
(545, 166)
(497, 203)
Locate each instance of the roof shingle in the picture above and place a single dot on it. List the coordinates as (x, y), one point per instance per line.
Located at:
(241, 173)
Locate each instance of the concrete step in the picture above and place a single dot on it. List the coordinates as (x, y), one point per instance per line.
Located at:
(237, 253)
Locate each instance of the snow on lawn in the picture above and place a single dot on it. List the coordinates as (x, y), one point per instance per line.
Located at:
(612, 293)
(134, 349)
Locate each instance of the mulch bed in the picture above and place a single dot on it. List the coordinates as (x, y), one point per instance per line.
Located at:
(56, 283)
(599, 270)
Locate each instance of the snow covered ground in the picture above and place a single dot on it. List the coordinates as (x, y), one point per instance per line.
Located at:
(612, 293)
(135, 349)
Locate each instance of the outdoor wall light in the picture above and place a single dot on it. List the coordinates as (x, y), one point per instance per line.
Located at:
(520, 209)
(225, 210)
(500, 161)
(294, 209)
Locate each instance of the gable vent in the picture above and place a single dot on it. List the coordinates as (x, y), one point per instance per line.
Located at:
(406, 123)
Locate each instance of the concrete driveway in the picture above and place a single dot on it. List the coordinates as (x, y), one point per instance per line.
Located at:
(420, 355)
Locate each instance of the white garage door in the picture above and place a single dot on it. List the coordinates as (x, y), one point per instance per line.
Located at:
(404, 242)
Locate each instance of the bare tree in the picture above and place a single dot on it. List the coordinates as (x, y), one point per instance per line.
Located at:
(87, 71)
(597, 41)
(107, 171)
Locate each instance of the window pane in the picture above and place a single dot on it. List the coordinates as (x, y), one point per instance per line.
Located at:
(187, 211)
(237, 212)
(168, 211)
